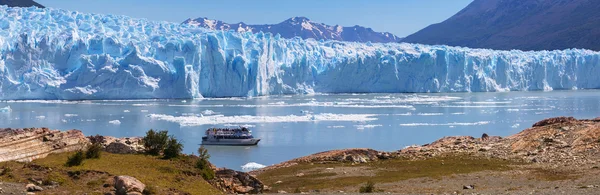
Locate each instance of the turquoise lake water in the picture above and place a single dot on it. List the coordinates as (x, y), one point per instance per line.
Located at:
(294, 126)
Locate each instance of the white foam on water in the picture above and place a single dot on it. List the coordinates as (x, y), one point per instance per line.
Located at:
(64, 121)
(251, 166)
(40, 117)
(71, 115)
(143, 110)
(126, 111)
(458, 113)
(240, 119)
(480, 106)
(516, 126)
(445, 124)
(115, 122)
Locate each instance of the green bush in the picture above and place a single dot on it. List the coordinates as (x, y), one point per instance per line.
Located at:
(6, 171)
(369, 187)
(155, 142)
(205, 170)
(93, 151)
(149, 190)
(173, 149)
(203, 153)
(75, 159)
(204, 165)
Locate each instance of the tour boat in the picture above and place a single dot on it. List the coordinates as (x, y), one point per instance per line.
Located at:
(233, 137)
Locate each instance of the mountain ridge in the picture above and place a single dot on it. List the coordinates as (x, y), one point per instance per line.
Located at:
(20, 3)
(301, 27)
(518, 24)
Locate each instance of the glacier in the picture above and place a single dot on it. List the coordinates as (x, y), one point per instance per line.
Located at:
(55, 54)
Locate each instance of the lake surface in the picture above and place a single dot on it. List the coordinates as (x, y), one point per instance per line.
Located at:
(294, 126)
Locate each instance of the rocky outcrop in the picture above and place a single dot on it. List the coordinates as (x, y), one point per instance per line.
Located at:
(124, 145)
(28, 144)
(357, 155)
(237, 182)
(560, 140)
(127, 185)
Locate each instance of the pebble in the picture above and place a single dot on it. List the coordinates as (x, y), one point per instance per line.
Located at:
(469, 187)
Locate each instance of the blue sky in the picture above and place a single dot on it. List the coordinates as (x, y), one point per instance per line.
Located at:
(401, 17)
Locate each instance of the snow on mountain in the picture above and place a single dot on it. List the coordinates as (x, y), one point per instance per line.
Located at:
(58, 54)
(304, 28)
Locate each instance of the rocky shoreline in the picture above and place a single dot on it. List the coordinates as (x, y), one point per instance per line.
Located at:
(561, 144)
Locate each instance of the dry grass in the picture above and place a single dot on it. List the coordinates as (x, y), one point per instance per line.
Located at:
(166, 176)
(318, 177)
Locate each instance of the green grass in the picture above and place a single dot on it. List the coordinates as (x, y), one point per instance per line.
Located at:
(316, 177)
(162, 175)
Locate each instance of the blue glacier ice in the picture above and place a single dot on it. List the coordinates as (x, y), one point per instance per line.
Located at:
(58, 54)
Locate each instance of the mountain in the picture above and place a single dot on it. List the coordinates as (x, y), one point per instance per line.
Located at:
(519, 24)
(20, 3)
(304, 28)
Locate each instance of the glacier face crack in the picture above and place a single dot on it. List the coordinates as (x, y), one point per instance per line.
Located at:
(57, 54)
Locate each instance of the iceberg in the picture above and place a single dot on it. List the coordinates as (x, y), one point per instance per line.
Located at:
(53, 54)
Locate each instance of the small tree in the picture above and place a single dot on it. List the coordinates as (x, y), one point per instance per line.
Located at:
(204, 165)
(93, 151)
(75, 159)
(155, 142)
(203, 153)
(173, 148)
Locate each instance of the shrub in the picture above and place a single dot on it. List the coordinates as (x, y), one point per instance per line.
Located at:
(203, 153)
(369, 187)
(205, 170)
(155, 142)
(75, 160)
(6, 171)
(204, 165)
(149, 190)
(53, 178)
(93, 151)
(96, 139)
(173, 148)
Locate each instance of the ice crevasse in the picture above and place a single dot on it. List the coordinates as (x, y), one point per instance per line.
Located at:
(58, 54)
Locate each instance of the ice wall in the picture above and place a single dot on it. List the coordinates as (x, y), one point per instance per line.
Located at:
(58, 54)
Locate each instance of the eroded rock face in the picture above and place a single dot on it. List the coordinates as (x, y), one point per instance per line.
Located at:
(232, 181)
(127, 185)
(28, 144)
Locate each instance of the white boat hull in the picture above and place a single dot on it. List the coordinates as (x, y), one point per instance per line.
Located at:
(231, 142)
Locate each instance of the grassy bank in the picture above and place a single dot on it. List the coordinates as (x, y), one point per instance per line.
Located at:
(162, 176)
(336, 176)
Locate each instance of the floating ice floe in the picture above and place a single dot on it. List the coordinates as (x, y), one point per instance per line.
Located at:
(115, 122)
(430, 114)
(208, 112)
(240, 119)
(366, 126)
(239, 125)
(336, 127)
(251, 166)
(6, 109)
(446, 124)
